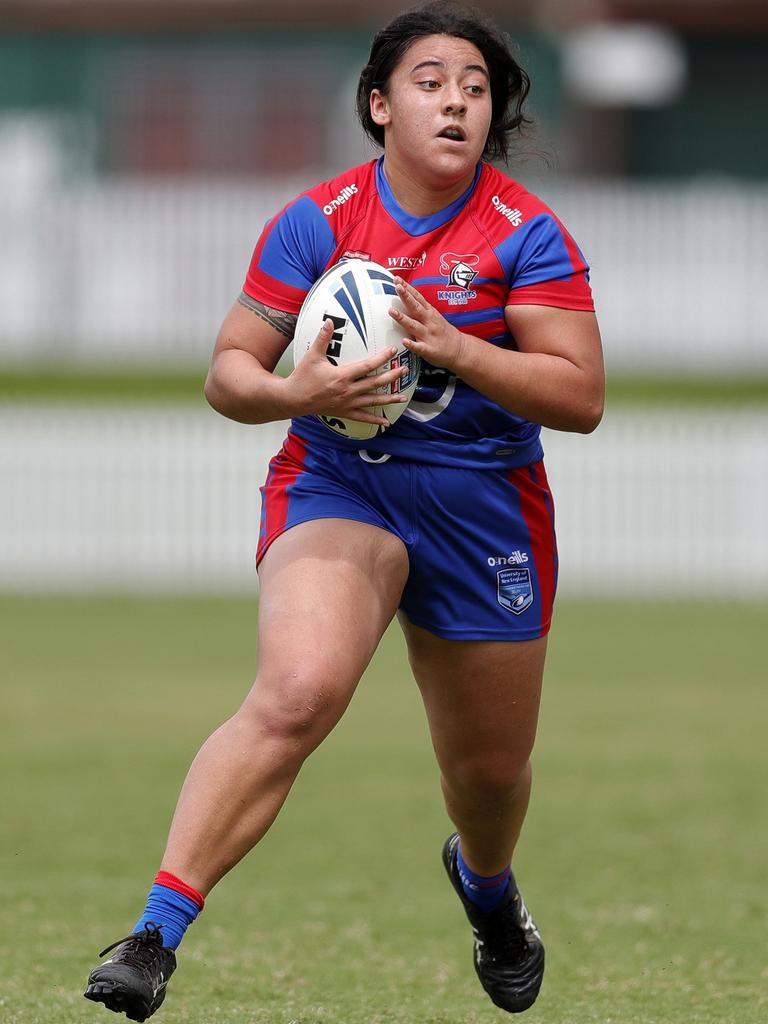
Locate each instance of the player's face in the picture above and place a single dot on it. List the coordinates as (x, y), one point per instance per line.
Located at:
(437, 111)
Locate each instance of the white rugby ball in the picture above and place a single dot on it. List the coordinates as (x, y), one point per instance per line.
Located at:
(356, 295)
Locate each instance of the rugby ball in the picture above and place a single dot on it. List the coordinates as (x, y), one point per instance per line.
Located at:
(356, 295)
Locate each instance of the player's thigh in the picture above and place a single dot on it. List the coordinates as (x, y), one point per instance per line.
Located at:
(482, 701)
(328, 590)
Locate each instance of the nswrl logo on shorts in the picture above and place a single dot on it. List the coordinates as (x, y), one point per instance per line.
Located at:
(514, 589)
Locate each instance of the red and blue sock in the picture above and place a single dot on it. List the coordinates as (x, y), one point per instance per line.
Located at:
(486, 892)
(173, 905)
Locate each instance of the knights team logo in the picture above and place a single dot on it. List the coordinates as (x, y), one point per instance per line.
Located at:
(460, 273)
(459, 269)
(514, 589)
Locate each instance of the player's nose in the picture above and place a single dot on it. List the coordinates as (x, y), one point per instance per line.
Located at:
(454, 99)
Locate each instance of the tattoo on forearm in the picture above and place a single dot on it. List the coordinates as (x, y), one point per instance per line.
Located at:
(283, 322)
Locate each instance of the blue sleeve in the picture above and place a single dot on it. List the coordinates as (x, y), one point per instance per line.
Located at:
(539, 251)
(295, 247)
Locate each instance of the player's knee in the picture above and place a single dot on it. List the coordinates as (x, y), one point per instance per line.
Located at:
(299, 708)
(489, 779)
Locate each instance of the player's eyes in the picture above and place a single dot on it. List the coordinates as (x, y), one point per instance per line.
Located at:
(430, 84)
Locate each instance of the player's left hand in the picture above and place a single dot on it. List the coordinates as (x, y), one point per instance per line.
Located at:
(425, 331)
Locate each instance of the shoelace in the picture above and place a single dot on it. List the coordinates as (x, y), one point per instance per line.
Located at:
(506, 937)
(150, 936)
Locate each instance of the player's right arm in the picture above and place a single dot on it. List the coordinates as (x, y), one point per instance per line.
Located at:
(242, 386)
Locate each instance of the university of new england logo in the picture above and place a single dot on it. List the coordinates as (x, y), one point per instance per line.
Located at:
(514, 589)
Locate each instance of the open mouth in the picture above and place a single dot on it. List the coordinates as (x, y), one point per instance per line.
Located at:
(452, 132)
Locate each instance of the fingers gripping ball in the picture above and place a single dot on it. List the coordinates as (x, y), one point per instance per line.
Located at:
(356, 295)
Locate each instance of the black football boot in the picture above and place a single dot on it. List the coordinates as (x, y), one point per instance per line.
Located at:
(134, 978)
(509, 954)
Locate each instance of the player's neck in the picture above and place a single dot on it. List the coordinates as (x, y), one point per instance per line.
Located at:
(421, 198)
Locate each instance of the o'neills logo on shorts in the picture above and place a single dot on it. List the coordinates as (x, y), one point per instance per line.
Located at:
(346, 193)
(514, 558)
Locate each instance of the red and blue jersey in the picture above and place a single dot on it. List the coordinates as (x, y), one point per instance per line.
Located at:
(496, 245)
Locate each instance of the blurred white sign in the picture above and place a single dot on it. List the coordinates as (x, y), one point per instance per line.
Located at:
(624, 65)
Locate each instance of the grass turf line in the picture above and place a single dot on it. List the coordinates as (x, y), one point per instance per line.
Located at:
(98, 385)
(642, 858)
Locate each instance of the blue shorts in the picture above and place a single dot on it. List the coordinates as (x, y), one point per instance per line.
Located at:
(481, 542)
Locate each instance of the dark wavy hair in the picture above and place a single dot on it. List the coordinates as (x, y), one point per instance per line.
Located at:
(509, 82)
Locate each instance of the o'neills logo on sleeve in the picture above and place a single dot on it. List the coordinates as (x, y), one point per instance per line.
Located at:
(513, 215)
(346, 193)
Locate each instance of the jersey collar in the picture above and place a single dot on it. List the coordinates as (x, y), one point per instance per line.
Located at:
(419, 225)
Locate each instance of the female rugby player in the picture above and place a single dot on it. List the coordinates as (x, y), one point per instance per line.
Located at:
(444, 518)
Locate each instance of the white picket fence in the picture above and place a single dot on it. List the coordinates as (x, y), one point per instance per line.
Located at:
(135, 271)
(148, 499)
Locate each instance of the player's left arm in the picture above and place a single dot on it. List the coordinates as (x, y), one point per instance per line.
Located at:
(555, 377)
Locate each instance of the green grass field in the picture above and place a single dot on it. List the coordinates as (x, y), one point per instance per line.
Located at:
(67, 383)
(643, 857)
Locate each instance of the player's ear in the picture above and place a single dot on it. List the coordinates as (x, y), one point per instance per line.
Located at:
(379, 108)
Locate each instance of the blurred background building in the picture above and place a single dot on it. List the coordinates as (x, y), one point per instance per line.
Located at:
(143, 143)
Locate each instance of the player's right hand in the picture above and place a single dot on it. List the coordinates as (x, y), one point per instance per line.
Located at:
(321, 388)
